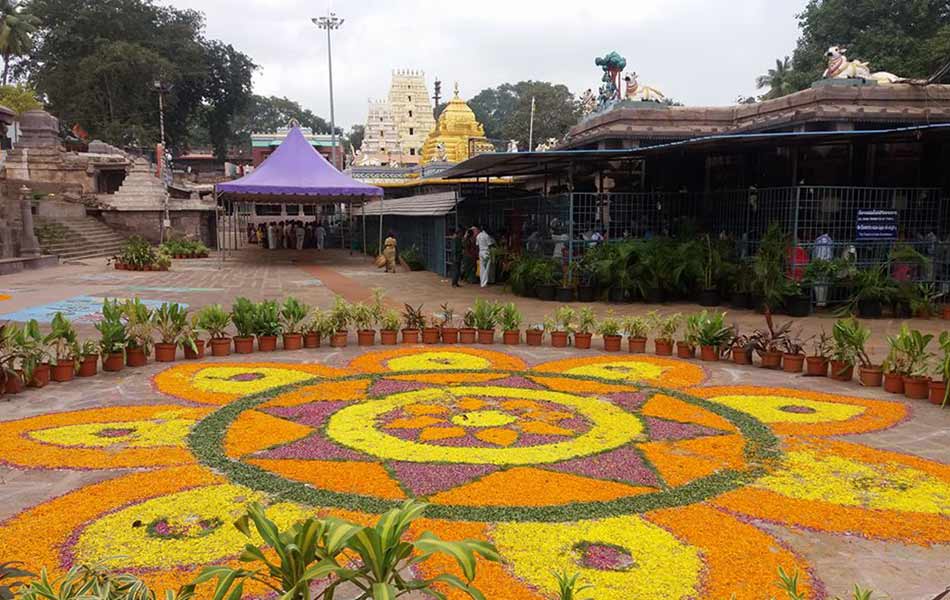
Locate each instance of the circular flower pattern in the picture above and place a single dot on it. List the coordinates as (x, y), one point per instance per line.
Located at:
(623, 468)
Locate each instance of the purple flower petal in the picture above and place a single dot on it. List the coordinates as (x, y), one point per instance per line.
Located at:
(631, 401)
(385, 387)
(623, 464)
(515, 381)
(424, 479)
(314, 414)
(661, 429)
(315, 447)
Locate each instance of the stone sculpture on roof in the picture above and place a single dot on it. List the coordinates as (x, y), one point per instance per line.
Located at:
(613, 65)
(642, 93)
(839, 67)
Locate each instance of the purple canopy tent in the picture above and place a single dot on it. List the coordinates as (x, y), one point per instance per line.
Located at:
(295, 174)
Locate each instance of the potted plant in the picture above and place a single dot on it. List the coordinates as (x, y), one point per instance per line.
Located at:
(816, 364)
(215, 320)
(582, 274)
(793, 357)
(636, 329)
(267, 325)
(686, 345)
(62, 340)
(191, 342)
(389, 327)
(293, 316)
(450, 333)
(916, 382)
(170, 321)
(432, 332)
(923, 301)
(546, 275)
(712, 264)
(770, 342)
(11, 378)
(413, 322)
(565, 292)
(584, 331)
(856, 335)
(312, 329)
(742, 347)
(534, 334)
(940, 388)
(244, 317)
(138, 327)
(364, 319)
(843, 355)
(561, 325)
(29, 348)
(89, 359)
(338, 322)
(768, 268)
(870, 290)
(510, 319)
(609, 328)
(742, 287)
(112, 336)
(664, 329)
(468, 332)
(895, 363)
(485, 315)
(712, 334)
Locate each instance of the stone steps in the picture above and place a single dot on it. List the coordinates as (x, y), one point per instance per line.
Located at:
(80, 238)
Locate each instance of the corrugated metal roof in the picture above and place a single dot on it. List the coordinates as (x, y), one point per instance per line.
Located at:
(423, 205)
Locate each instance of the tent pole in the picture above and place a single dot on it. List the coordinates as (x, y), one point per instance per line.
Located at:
(380, 247)
(363, 224)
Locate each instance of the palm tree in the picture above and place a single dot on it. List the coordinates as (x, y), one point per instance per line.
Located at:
(16, 34)
(778, 80)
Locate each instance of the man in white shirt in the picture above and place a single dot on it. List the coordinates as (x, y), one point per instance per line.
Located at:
(321, 235)
(484, 242)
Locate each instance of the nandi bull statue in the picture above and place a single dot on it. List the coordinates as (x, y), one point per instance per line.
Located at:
(839, 67)
(643, 93)
(547, 145)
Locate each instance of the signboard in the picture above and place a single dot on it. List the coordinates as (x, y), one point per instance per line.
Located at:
(876, 225)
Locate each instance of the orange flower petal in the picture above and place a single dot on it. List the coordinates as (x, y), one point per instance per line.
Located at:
(682, 461)
(440, 433)
(674, 409)
(498, 436)
(354, 389)
(542, 428)
(470, 403)
(351, 477)
(253, 431)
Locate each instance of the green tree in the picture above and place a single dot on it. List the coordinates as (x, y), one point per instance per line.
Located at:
(355, 137)
(778, 80)
(228, 92)
(17, 28)
(269, 113)
(505, 111)
(19, 98)
(909, 38)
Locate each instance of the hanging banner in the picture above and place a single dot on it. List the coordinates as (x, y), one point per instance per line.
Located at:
(876, 225)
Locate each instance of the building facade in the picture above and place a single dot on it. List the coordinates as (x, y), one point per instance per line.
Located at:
(264, 144)
(396, 128)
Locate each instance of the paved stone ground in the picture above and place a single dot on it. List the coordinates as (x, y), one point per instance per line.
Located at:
(895, 570)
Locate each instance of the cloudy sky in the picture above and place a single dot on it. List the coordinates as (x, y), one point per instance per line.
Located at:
(701, 52)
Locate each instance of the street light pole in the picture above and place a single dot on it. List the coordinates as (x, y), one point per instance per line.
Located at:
(330, 22)
(161, 88)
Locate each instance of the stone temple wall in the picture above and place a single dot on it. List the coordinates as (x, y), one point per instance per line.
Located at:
(192, 224)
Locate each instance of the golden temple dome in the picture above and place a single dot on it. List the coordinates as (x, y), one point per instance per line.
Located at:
(458, 131)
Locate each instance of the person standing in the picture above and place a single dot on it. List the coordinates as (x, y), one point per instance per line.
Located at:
(271, 236)
(484, 243)
(301, 234)
(321, 235)
(457, 255)
(389, 252)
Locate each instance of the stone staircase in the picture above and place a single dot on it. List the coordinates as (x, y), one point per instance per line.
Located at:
(76, 238)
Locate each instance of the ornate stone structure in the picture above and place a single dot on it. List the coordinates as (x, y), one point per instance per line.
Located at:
(459, 132)
(396, 128)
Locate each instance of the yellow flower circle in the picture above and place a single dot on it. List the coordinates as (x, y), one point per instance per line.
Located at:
(786, 409)
(621, 370)
(484, 418)
(245, 381)
(130, 434)
(356, 426)
(439, 361)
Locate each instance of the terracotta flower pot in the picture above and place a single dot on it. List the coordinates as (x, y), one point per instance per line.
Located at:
(637, 345)
(467, 335)
(293, 341)
(612, 343)
(450, 335)
(582, 340)
(938, 391)
(431, 335)
(486, 336)
(89, 365)
(13, 384)
(113, 362)
(559, 339)
(793, 363)
(311, 340)
(197, 353)
(870, 376)
(946, 312)
(684, 350)
(64, 371)
(916, 388)
(339, 339)
(663, 347)
(816, 366)
(894, 383)
(410, 336)
(165, 352)
(243, 345)
(267, 343)
(366, 337)
(533, 337)
(709, 353)
(41, 375)
(841, 370)
(771, 360)
(511, 338)
(222, 346)
(135, 357)
(388, 337)
(741, 356)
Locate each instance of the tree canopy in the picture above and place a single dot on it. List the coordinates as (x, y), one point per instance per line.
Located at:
(18, 98)
(910, 38)
(505, 111)
(96, 63)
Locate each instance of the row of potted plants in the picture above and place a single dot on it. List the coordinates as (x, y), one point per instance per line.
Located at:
(184, 248)
(139, 255)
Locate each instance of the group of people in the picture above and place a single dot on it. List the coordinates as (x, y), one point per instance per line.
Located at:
(289, 235)
(471, 252)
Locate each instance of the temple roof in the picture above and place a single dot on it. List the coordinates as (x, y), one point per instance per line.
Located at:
(457, 125)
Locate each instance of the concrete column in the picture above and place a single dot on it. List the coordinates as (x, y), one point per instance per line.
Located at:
(29, 245)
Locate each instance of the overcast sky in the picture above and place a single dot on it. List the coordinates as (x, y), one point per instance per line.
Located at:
(701, 52)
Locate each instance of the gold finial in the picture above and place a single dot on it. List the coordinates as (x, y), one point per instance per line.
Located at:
(456, 89)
